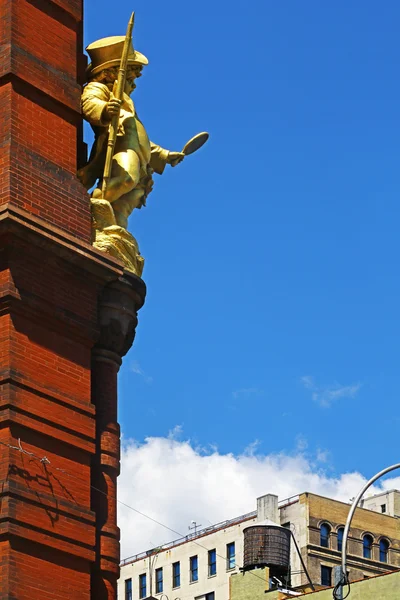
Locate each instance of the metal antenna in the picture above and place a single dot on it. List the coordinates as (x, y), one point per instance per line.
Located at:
(194, 526)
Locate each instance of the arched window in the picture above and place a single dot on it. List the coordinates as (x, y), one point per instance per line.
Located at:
(383, 551)
(324, 535)
(367, 546)
(340, 533)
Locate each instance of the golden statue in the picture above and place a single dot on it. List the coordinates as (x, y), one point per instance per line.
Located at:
(122, 159)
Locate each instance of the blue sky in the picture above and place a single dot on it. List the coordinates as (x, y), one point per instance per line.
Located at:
(272, 254)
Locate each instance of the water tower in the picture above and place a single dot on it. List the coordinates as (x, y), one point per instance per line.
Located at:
(267, 544)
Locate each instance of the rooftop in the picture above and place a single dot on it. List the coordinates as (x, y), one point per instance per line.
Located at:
(201, 533)
(189, 537)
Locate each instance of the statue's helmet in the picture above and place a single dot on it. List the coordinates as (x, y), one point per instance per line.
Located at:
(107, 52)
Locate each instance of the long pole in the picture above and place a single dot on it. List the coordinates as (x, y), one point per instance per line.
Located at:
(302, 561)
(119, 94)
(356, 501)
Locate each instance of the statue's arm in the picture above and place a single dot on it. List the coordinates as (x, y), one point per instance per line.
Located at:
(95, 97)
(159, 158)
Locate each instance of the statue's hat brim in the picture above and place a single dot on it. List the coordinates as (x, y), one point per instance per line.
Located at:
(107, 52)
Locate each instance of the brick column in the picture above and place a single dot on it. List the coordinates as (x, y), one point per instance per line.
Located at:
(118, 308)
(41, 65)
(49, 289)
(58, 540)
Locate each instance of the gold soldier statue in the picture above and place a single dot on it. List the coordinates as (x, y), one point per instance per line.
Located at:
(122, 159)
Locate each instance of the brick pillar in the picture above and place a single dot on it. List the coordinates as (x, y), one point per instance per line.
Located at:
(56, 536)
(41, 64)
(118, 308)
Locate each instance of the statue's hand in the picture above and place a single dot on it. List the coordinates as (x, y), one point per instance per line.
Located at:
(111, 109)
(174, 158)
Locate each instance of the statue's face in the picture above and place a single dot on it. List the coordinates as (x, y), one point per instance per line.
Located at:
(110, 75)
(133, 72)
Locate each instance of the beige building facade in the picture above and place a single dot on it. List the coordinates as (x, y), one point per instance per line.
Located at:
(195, 567)
(318, 524)
(201, 566)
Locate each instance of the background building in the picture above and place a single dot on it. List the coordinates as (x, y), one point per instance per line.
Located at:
(199, 566)
(318, 526)
(385, 503)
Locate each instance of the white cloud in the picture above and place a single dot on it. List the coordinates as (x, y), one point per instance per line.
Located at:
(175, 433)
(175, 482)
(301, 443)
(251, 449)
(308, 382)
(326, 395)
(322, 456)
(137, 369)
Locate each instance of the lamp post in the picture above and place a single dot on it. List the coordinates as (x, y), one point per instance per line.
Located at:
(338, 589)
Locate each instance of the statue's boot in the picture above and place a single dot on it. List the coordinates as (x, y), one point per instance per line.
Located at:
(124, 206)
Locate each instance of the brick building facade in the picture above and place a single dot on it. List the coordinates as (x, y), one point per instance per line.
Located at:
(67, 316)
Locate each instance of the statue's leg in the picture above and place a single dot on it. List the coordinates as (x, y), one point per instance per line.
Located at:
(126, 204)
(125, 175)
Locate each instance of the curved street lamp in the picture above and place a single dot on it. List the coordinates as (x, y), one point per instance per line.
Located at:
(338, 589)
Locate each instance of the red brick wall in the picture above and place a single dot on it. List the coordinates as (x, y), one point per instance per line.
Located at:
(40, 68)
(48, 326)
(46, 577)
(58, 433)
(48, 311)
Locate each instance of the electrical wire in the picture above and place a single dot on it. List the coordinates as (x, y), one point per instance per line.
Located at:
(45, 461)
(174, 531)
(339, 587)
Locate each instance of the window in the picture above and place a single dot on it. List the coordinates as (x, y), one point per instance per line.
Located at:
(210, 596)
(340, 533)
(194, 568)
(230, 556)
(326, 575)
(142, 586)
(383, 551)
(212, 562)
(159, 581)
(367, 546)
(128, 589)
(383, 508)
(324, 535)
(176, 575)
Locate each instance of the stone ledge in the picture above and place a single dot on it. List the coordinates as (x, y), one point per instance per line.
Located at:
(14, 489)
(10, 529)
(11, 414)
(41, 234)
(11, 378)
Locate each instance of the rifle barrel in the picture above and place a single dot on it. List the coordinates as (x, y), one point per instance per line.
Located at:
(119, 94)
